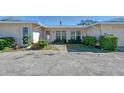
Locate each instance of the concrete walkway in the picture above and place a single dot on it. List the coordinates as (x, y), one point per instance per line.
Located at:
(62, 48)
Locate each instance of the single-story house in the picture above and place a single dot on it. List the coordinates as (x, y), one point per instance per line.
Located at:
(35, 30)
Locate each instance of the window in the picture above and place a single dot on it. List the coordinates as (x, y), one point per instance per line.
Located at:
(61, 35)
(78, 33)
(75, 35)
(25, 31)
(58, 35)
(47, 32)
(26, 34)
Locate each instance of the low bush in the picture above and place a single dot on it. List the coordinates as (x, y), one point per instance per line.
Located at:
(6, 42)
(27, 41)
(72, 41)
(42, 43)
(58, 41)
(108, 42)
(90, 40)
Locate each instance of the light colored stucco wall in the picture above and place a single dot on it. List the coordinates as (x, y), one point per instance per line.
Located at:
(68, 30)
(14, 30)
(92, 31)
(106, 29)
(97, 30)
(116, 29)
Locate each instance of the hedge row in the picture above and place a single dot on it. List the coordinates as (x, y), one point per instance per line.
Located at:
(6, 42)
(90, 40)
(42, 43)
(107, 42)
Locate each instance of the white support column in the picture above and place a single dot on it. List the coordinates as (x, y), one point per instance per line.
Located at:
(81, 35)
(45, 35)
(67, 35)
(54, 35)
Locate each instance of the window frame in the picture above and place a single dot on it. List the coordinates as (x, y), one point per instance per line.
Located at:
(58, 34)
(75, 34)
(23, 29)
(72, 35)
(78, 35)
(61, 35)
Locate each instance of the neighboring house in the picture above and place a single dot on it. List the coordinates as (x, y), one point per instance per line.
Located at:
(19, 29)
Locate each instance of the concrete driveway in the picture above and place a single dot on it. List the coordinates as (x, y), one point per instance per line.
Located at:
(59, 63)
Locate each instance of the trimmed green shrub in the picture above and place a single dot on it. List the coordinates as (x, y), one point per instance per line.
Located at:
(90, 40)
(27, 41)
(72, 41)
(42, 43)
(6, 42)
(108, 42)
(58, 41)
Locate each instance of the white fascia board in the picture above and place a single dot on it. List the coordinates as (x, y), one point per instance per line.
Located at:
(65, 26)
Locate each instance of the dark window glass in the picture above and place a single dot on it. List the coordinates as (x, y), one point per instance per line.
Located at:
(47, 32)
(73, 35)
(25, 31)
(63, 35)
(78, 34)
(58, 35)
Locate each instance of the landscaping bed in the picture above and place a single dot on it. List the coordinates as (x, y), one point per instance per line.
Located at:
(8, 44)
(49, 47)
(84, 48)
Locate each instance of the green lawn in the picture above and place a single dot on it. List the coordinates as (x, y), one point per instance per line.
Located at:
(84, 48)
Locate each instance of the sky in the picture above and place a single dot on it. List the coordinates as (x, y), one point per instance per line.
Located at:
(66, 20)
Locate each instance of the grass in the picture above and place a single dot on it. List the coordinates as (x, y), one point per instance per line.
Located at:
(7, 49)
(84, 48)
(51, 47)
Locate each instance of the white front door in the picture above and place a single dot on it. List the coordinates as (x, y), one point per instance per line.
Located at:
(36, 36)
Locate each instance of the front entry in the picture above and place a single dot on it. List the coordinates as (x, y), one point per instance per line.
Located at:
(26, 35)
